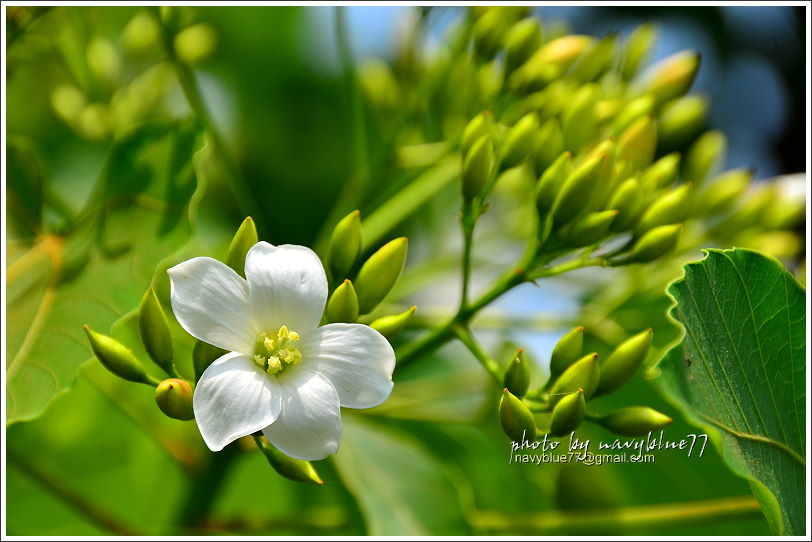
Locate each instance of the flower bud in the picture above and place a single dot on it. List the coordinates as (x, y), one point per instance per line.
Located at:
(517, 375)
(345, 245)
(579, 120)
(681, 120)
(672, 76)
(638, 142)
(661, 173)
(638, 48)
(489, 31)
(103, 59)
(490, 78)
(379, 85)
(517, 420)
(379, 274)
(583, 374)
(723, 191)
(520, 140)
(628, 200)
(580, 183)
(549, 61)
(635, 421)
(195, 43)
(549, 144)
(623, 362)
(477, 127)
(568, 414)
(203, 355)
(596, 60)
(343, 304)
(243, 240)
(705, 157)
(669, 208)
(566, 351)
(477, 167)
(655, 243)
(389, 326)
(174, 398)
(588, 230)
(522, 41)
(639, 107)
(596, 201)
(551, 181)
(117, 358)
(154, 330)
(297, 470)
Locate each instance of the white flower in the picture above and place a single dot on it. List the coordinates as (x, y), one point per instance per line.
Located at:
(283, 374)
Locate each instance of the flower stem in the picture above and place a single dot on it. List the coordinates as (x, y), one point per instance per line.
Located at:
(466, 337)
(191, 91)
(647, 517)
(467, 222)
(202, 492)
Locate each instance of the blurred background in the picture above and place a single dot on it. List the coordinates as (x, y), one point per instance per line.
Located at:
(292, 93)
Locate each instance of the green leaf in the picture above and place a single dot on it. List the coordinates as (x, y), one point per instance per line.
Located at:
(739, 372)
(401, 488)
(98, 270)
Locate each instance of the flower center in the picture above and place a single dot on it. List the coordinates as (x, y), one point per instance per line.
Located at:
(274, 352)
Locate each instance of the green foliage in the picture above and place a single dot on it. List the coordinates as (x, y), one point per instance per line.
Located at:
(97, 269)
(739, 372)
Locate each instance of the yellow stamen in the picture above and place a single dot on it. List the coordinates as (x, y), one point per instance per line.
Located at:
(283, 332)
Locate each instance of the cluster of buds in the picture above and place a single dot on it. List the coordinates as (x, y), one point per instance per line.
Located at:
(575, 379)
(105, 97)
(354, 300)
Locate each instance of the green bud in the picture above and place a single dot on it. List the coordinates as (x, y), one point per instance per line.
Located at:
(584, 374)
(523, 39)
(203, 355)
(705, 157)
(297, 470)
(141, 32)
(517, 375)
(243, 240)
(638, 48)
(379, 85)
(489, 31)
(550, 61)
(345, 245)
(681, 120)
(549, 144)
(103, 59)
(635, 421)
(343, 304)
(639, 107)
(619, 367)
(477, 167)
(379, 274)
(389, 326)
(672, 76)
(117, 358)
(566, 351)
(174, 398)
(519, 140)
(655, 243)
(490, 78)
(628, 200)
(638, 142)
(723, 191)
(154, 329)
(596, 200)
(195, 43)
(517, 420)
(579, 120)
(589, 229)
(551, 181)
(671, 207)
(661, 173)
(580, 183)
(597, 59)
(568, 414)
(477, 127)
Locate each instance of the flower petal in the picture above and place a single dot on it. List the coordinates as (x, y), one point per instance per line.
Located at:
(286, 286)
(234, 398)
(210, 301)
(309, 426)
(357, 360)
